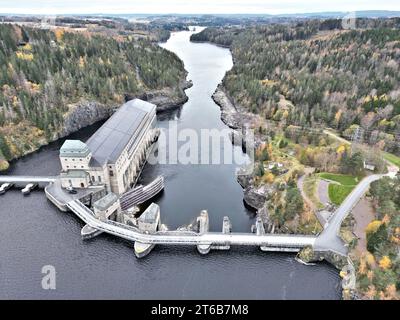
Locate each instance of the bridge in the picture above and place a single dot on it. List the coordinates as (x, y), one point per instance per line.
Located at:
(279, 242)
(27, 179)
(328, 240)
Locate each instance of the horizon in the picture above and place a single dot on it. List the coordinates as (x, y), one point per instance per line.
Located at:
(181, 7)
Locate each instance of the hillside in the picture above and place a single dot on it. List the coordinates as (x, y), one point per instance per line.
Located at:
(53, 83)
(316, 74)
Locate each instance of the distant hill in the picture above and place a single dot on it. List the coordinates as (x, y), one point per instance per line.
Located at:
(333, 14)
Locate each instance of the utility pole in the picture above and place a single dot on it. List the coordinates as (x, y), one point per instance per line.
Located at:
(356, 138)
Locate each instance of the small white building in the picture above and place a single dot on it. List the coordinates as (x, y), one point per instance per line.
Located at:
(115, 153)
(107, 206)
(273, 165)
(369, 166)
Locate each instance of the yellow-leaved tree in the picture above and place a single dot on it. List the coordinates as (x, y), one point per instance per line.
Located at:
(373, 226)
(385, 262)
(59, 33)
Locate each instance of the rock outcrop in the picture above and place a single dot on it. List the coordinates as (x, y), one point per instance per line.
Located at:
(166, 99)
(84, 114)
(254, 199)
(231, 115)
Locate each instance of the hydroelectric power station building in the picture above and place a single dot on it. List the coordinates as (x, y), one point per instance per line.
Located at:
(114, 155)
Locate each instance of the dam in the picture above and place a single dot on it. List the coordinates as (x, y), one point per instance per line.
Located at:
(96, 183)
(35, 232)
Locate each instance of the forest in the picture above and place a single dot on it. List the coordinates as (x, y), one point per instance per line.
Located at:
(379, 267)
(44, 72)
(314, 73)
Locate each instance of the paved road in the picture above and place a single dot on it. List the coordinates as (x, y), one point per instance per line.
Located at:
(329, 238)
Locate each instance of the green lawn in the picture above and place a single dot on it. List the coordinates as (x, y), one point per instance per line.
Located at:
(343, 179)
(337, 193)
(392, 158)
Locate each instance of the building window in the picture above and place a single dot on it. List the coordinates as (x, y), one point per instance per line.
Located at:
(111, 173)
(99, 179)
(93, 179)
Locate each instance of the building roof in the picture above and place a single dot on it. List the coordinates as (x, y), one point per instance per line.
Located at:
(74, 148)
(105, 202)
(108, 142)
(151, 214)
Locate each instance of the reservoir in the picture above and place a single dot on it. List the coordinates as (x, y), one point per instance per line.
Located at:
(33, 233)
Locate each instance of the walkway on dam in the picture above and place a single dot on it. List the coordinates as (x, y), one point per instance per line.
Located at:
(27, 179)
(279, 242)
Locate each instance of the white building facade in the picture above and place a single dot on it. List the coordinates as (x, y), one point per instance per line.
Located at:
(116, 152)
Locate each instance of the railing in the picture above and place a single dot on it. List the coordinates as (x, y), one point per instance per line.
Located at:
(187, 237)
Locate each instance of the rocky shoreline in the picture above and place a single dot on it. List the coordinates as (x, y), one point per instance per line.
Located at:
(236, 118)
(231, 115)
(86, 113)
(164, 99)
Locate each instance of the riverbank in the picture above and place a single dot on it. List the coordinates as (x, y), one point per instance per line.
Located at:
(236, 118)
(233, 116)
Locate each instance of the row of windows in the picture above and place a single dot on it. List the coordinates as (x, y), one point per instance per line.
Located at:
(75, 167)
(94, 178)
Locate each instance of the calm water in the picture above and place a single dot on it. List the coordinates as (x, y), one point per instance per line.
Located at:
(33, 233)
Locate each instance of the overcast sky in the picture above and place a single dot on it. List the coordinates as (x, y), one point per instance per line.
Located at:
(191, 6)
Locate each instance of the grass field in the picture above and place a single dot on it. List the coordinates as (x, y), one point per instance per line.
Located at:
(337, 193)
(340, 190)
(343, 179)
(392, 158)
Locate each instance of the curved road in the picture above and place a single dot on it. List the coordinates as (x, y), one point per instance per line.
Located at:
(329, 238)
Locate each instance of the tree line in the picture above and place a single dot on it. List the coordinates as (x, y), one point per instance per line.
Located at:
(42, 72)
(322, 74)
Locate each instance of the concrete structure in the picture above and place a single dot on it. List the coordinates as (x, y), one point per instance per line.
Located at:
(202, 221)
(106, 207)
(141, 193)
(24, 180)
(114, 155)
(226, 225)
(149, 220)
(275, 242)
(328, 240)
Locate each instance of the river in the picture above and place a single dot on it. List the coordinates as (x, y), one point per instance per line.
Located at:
(33, 233)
